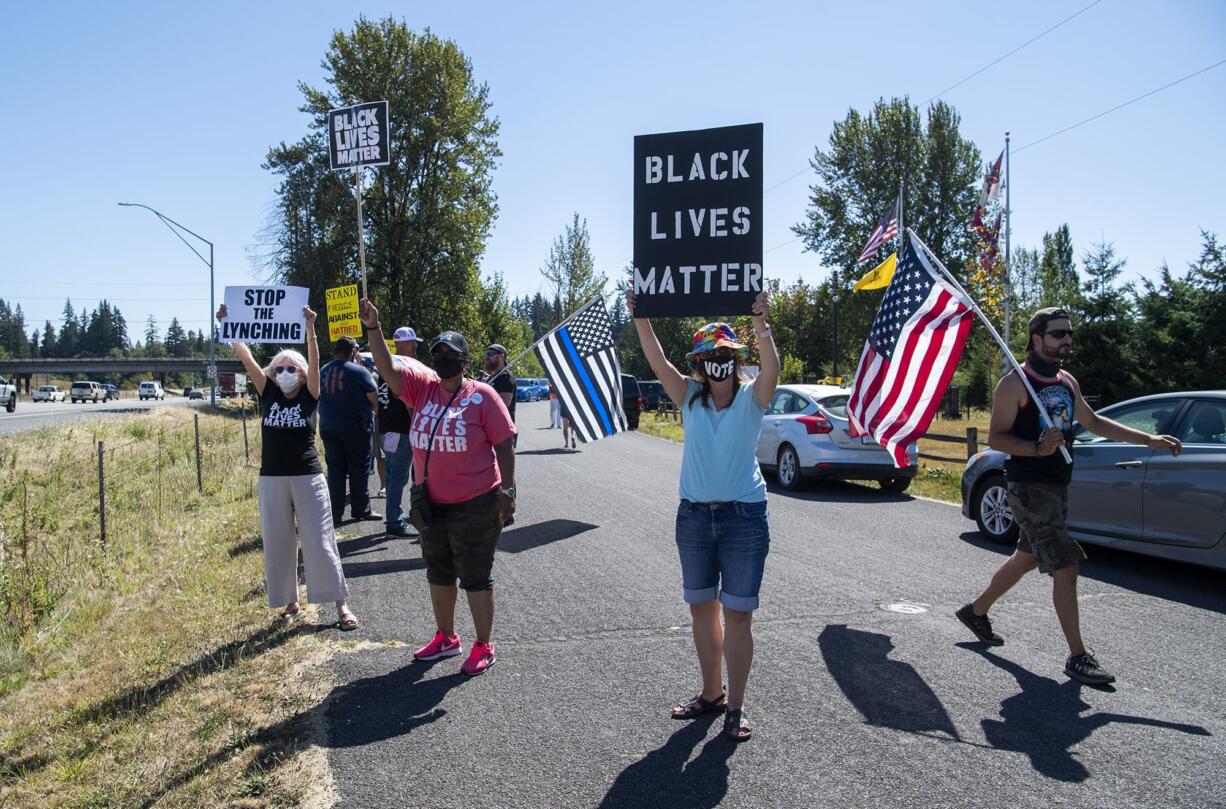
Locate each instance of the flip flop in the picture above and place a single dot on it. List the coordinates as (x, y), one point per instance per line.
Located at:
(288, 614)
(347, 623)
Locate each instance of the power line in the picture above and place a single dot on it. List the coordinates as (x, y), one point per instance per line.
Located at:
(1000, 59)
(1118, 106)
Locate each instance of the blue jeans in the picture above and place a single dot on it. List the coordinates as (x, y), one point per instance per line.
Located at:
(723, 549)
(399, 473)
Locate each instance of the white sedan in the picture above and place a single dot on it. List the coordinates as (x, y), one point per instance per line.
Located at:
(48, 393)
(805, 436)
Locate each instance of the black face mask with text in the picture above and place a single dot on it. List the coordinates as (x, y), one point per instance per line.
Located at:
(719, 369)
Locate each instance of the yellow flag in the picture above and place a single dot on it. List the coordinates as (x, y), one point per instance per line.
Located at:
(878, 276)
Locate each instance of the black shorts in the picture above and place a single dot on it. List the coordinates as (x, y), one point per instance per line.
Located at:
(461, 543)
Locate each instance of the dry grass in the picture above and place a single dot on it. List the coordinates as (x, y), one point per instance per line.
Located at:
(940, 480)
(148, 673)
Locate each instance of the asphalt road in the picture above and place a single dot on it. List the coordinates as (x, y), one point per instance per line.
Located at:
(36, 415)
(852, 704)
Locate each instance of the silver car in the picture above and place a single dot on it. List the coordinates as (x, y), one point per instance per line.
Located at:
(805, 436)
(1128, 496)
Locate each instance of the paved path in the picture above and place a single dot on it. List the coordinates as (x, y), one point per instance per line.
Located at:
(852, 705)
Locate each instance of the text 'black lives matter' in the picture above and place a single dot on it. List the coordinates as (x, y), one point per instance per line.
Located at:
(698, 222)
(358, 136)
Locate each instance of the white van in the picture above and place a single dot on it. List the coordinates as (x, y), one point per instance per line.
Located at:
(151, 390)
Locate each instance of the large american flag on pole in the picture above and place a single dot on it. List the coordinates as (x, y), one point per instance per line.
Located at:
(912, 350)
(886, 230)
(580, 360)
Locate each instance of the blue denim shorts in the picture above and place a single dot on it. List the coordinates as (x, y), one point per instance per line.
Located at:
(723, 549)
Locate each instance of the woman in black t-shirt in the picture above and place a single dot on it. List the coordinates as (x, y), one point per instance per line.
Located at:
(292, 483)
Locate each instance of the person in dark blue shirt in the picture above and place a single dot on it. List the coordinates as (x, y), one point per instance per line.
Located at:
(347, 402)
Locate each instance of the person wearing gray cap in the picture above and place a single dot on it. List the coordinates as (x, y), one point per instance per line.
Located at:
(464, 465)
(394, 420)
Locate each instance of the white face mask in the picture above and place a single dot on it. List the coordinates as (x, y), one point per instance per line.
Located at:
(287, 382)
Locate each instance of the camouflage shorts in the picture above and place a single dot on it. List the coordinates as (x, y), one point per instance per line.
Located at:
(461, 543)
(1041, 512)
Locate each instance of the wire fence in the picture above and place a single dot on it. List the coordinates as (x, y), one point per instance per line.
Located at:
(77, 499)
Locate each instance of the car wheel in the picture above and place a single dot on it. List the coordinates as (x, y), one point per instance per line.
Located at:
(894, 484)
(788, 470)
(992, 512)
(12, 405)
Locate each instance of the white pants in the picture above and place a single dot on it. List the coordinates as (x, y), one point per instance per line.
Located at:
(555, 413)
(281, 498)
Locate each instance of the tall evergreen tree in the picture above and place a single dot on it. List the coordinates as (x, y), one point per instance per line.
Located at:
(1103, 318)
(176, 340)
(570, 270)
(48, 346)
(69, 341)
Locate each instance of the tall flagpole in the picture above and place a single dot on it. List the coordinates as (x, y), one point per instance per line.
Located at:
(1044, 416)
(902, 231)
(1008, 259)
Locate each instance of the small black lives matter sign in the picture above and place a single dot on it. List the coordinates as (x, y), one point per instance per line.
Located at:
(698, 222)
(358, 136)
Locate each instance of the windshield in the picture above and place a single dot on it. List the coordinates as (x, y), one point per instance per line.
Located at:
(523, 383)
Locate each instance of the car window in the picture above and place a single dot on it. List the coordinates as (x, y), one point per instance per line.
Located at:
(796, 404)
(1148, 417)
(836, 405)
(779, 404)
(1204, 424)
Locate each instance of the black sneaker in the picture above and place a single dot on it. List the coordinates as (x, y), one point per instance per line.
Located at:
(980, 625)
(1085, 668)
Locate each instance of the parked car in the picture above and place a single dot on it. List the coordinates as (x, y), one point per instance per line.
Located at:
(542, 387)
(1128, 496)
(806, 436)
(111, 392)
(632, 401)
(526, 390)
(86, 391)
(653, 393)
(48, 393)
(8, 394)
(151, 390)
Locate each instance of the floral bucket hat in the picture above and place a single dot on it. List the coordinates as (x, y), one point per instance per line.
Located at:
(717, 335)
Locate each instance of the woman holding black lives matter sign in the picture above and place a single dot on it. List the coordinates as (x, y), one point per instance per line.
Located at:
(292, 483)
(721, 531)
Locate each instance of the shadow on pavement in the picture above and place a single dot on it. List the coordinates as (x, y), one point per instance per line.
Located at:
(377, 708)
(1044, 721)
(663, 778)
(1198, 587)
(527, 537)
(357, 546)
(550, 451)
(837, 491)
(356, 570)
(888, 693)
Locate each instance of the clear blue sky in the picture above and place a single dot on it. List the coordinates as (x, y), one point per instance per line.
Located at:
(174, 105)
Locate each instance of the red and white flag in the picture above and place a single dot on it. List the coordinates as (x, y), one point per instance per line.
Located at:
(912, 350)
(991, 182)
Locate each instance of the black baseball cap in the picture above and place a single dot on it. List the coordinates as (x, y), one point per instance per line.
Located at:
(452, 339)
(344, 345)
(1040, 319)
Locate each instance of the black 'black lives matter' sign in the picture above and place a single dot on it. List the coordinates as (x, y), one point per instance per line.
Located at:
(698, 222)
(358, 136)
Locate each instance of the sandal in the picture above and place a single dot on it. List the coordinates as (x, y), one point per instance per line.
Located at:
(736, 727)
(698, 707)
(347, 622)
(290, 612)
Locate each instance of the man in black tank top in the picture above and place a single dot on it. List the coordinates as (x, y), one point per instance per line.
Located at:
(1038, 479)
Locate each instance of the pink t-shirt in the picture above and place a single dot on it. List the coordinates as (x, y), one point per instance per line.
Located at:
(462, 462)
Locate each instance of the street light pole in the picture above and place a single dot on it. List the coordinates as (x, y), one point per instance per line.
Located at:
(172, 224)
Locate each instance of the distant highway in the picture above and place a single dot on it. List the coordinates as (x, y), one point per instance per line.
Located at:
(35, 415)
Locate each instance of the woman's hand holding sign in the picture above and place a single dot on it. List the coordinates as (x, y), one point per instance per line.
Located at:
(254, 371)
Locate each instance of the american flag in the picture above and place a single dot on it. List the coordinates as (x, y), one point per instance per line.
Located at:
(579, 358)
(912, 350)
(886, 230)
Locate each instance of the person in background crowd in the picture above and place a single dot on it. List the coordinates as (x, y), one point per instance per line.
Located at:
(394, 421)
(346, 423)
(568, 436)
(376, 445)
(722, 532)
(292, 483)
(498, 376)
(555, 408)
(1038, 479)
(461, 436)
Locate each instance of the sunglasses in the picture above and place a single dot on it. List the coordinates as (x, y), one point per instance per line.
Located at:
(493, 353)
(719, 354)
(286, 369)
(1059, 334)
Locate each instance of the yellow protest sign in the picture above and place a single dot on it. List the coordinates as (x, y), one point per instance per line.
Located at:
(343, 312)
(391, 345)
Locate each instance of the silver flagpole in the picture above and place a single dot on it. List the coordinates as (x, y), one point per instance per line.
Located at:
(1043, 414)
(1008, 259)
(901, 230)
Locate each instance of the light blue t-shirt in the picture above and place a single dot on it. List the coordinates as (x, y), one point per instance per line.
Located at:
(719, 462)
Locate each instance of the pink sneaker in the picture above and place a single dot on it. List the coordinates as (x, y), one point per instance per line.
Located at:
(480, 659)
(441, 646)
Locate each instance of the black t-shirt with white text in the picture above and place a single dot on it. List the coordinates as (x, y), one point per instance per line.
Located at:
(287, 431)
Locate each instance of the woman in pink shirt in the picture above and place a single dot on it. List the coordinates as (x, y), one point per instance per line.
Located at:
(462, 448)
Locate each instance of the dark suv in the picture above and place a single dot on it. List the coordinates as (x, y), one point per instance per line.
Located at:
(632, 400)
(653, 393)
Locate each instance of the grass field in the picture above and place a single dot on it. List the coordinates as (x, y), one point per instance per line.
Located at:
(149, 672)
(940, 480)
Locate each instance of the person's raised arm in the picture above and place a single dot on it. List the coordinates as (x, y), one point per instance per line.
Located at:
(254, 371)
(369, 315)
(672, 379)
(1101, 425)
(768, 357)
(312, 379)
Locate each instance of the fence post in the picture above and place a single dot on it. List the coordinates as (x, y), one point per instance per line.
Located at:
(199, 470)
(102, 491)
(246, 446)
(972, 441)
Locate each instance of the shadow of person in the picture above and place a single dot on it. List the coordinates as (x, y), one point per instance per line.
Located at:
(663, 778)
(1045, 721)
(889, 693)
(373, 709)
